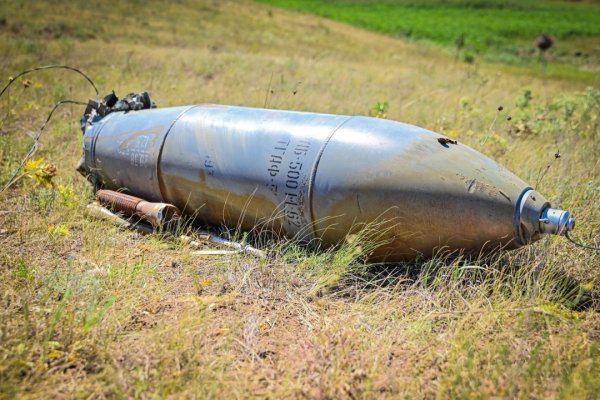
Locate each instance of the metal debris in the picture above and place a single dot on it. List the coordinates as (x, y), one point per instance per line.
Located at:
(98, 211)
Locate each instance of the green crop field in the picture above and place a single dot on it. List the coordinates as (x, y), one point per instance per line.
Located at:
(497, 30)
(90, 310)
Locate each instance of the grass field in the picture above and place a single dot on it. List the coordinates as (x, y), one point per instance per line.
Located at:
(91, 311)
(495, 30)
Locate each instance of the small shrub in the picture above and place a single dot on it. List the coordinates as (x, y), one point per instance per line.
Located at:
(469, 58)
(380, 110)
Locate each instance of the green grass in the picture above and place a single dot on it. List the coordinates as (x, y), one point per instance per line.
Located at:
(495, 29)
(91, 311)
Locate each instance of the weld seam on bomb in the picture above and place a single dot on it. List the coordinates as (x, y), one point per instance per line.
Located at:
(517, 217)
(102, 123)
(160, 151)
(313, 175)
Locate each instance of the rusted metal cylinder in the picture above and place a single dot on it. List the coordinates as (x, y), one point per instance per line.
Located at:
(318, 177)
(118, 201)
(157, 214)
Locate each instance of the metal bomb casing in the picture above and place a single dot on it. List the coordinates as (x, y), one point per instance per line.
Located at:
(319, 177)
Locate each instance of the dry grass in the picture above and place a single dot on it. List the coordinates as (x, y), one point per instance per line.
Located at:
(90, 311)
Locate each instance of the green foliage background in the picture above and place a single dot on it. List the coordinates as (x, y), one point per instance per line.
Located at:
(503, 30)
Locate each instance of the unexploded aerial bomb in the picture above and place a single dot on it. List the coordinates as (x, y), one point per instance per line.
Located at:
(314, 177)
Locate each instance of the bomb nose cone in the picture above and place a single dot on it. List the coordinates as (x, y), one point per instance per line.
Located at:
(535, 217)
(570, 224)
(556, 222)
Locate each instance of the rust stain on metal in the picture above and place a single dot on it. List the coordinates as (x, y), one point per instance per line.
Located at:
(118, 201)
